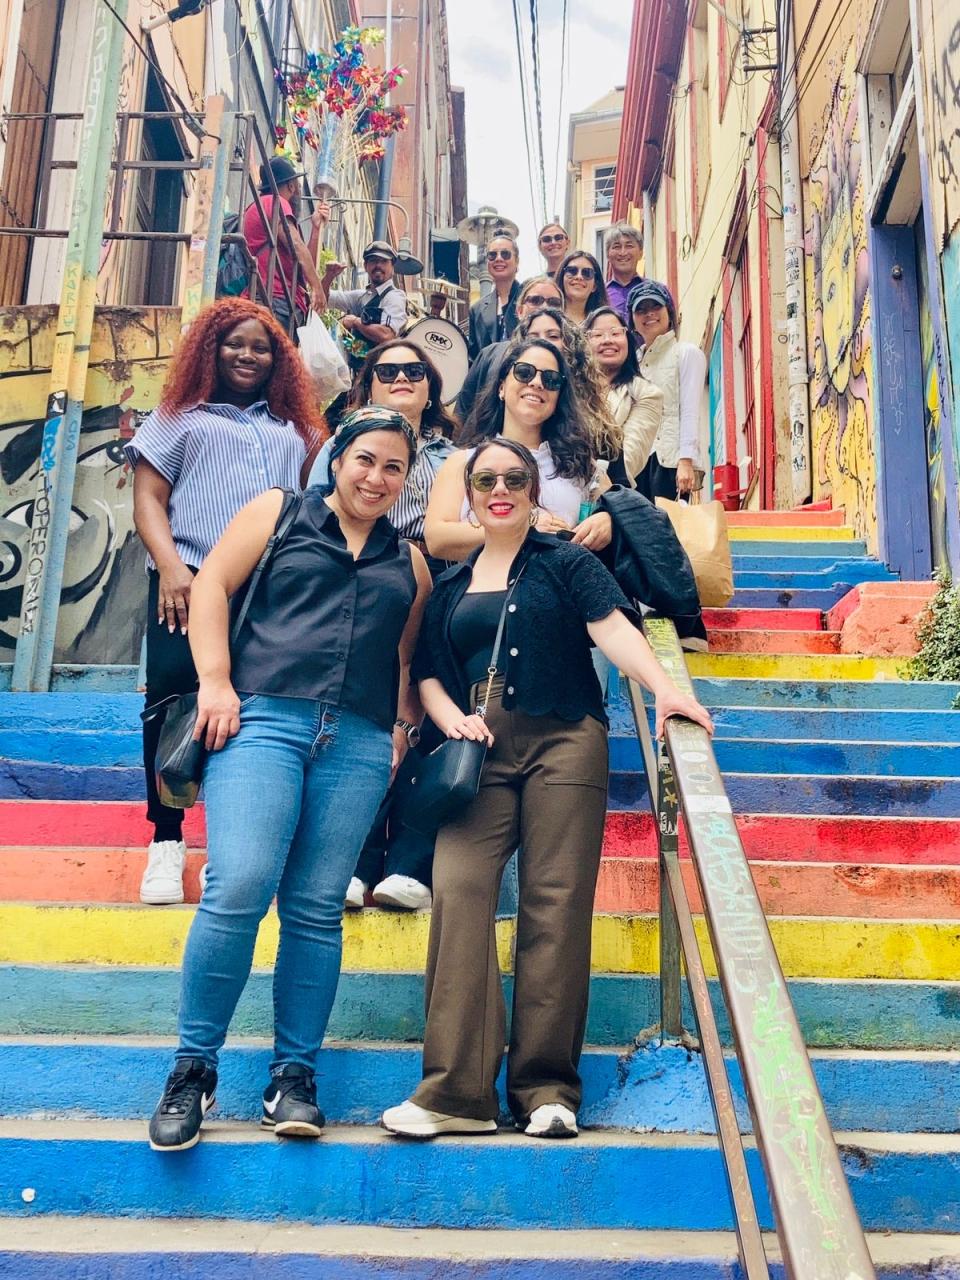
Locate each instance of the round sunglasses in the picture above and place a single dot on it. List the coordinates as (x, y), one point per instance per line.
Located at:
(486, 481)
(550, 379)
(588, 273)
(504, 254)
(413, 371)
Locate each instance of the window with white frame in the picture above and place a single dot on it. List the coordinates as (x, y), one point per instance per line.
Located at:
(604, 180)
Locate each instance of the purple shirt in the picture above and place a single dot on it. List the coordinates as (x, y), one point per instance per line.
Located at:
(618, 293)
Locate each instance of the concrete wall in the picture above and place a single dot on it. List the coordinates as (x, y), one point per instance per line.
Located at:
(104, 592)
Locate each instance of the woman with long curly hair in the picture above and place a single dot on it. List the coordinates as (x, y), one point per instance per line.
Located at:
(532, 400)
(236, 416)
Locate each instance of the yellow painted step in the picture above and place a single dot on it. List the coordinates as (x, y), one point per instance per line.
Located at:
(794, 666)
(789, 533)
(379, 941)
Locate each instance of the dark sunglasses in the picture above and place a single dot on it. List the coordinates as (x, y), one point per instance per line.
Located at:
(588, 273)
(538, 300)
(486, 481)
(414, 371)
(551, 379)
(553, 239)
(494, 254)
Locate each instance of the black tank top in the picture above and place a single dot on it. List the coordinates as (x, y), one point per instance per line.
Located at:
(473, 630)
(325, 626)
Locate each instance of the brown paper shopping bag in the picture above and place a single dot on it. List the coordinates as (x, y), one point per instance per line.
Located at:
(702, 530)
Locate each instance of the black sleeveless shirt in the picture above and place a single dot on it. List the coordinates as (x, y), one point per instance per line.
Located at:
(325, 626)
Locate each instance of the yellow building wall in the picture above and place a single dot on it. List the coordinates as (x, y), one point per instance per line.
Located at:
(104, 587)
(839, 304)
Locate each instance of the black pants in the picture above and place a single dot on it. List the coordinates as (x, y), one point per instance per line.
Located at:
(657, 481)
(170, 670)
(392, 848)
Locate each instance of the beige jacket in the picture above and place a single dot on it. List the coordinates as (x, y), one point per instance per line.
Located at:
(637, 407)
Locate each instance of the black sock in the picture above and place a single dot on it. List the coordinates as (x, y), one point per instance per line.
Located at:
(168, 831)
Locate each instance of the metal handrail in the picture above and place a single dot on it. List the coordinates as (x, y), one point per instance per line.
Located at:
(820, 1234)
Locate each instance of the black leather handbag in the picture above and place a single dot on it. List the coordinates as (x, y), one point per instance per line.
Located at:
(180, 758)
(449, 777)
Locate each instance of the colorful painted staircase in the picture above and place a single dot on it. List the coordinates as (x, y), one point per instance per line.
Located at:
(848, 783)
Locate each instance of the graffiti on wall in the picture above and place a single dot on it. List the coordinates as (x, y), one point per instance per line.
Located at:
(838, 310)
(104, 588)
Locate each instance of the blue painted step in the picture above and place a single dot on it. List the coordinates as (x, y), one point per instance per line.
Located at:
(91, 1000)
(507, 1180)
(852, 550)
(773, 755)
(847, 725)
(88, 748)
(847, 574)
(822, 598)
(830, 566)
(749, 793)
(658, 1089)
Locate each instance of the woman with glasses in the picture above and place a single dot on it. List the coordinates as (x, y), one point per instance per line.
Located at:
(300, 718)
(531, 401)
(581, 281)
(494, 317)
(635, 404)
(535, 294)
(395, 862)
(553, 243)
(543, 787)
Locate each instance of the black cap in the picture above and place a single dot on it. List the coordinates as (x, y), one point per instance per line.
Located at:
(283, 171)
(380, 249)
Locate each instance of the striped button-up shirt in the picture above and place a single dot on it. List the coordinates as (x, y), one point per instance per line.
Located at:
(218, 458)
(407, 513)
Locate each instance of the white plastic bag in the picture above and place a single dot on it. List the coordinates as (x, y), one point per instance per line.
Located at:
(323, 358)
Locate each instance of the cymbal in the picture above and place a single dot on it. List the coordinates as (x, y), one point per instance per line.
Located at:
(481, 226)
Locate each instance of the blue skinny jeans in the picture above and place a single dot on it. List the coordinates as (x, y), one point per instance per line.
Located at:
(289, 802)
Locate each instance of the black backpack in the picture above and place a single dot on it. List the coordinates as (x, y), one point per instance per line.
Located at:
(233, 270)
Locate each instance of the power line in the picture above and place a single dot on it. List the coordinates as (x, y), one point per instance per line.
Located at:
(538, 96)
(523, 99)
(565, 28)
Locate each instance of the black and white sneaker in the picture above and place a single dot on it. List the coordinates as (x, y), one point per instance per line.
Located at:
(290, 1103)
(188, 1095)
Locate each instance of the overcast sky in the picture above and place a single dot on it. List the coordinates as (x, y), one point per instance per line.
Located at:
(483, 60)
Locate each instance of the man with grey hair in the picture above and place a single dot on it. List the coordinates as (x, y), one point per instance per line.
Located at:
(623, 245)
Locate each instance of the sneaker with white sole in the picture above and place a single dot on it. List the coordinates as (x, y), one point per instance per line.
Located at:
(162, 883)
(410, 1121)
(403, 892)
(553, 1120)
(353, 900)
(290, 1104)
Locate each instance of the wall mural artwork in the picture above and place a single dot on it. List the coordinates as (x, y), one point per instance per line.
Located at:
(104, 587)
(838, 310)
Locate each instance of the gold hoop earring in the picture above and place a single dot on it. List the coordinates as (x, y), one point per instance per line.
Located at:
(534, 516)
(472, 520)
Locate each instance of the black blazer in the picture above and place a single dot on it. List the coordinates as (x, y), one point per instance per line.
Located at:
(483, 320)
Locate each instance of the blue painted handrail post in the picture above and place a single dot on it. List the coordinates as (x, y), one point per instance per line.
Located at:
(50, 523)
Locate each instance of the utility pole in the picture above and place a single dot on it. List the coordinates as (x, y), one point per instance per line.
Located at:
(50, 523)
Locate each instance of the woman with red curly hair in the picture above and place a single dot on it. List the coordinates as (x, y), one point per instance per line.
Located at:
(236, 417)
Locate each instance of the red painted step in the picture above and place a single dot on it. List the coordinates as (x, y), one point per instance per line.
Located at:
(763, 619)
(801, 642)
(54, 824)
(909, 841)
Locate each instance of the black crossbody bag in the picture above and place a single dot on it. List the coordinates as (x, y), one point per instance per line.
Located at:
(449, 777)
(180, 759)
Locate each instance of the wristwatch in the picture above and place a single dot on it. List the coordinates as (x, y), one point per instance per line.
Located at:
(411, 730)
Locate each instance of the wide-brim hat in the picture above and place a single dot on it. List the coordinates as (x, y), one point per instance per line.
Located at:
(283, 171)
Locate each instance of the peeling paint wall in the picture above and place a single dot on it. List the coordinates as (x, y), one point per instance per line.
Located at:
(104, 588)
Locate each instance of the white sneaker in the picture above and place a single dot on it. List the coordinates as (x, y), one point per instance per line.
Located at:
(411, 1121)
(552, 1121)
(162, 883)
(203, 879)
(353, 901)
(403, 892)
